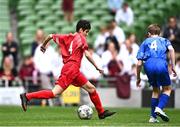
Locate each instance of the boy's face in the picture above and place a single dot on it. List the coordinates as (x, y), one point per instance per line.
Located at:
(85, 32)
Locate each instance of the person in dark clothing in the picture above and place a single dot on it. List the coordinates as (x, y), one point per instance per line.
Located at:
(172, 32)
(38, 40)
(111, 38)
(10, 47)
(68, 9)
(26, 72)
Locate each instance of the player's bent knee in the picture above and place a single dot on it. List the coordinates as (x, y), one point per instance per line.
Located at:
(89, 87)
(92, 89)
(166, 90)
(57, 90)
(155, 94)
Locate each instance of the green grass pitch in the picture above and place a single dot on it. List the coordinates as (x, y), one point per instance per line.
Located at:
(67, 116)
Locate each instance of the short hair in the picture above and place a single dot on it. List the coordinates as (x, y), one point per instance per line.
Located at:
(84, 24)
(154, 29)
(125, 4)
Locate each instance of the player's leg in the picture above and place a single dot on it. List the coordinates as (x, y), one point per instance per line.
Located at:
(90, 88)
(163, 100)
(42, 94)
(94, 96)
(81, 81)
(154, 103)
(164, 97)
(163, 80)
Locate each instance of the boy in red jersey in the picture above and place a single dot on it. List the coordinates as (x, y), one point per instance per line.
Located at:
(73, 46)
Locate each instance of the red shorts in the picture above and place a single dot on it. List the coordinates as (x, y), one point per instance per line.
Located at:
(70, 74)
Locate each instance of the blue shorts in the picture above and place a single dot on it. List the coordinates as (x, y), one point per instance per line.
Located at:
(157, 72)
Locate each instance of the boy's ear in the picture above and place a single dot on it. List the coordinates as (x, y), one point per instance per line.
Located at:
(148, 34)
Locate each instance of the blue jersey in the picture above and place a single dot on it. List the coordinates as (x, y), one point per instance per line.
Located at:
(153, 47)
(153, 52)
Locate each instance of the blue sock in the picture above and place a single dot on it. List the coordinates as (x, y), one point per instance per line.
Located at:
(154, 103)
(163, 100)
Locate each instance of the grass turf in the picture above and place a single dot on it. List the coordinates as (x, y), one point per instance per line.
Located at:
(67, 116)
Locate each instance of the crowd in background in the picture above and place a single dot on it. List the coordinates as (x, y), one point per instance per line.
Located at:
(112, 50)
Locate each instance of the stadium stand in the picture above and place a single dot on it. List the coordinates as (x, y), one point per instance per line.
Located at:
(150, 11)
(4, 21)
(47, 14)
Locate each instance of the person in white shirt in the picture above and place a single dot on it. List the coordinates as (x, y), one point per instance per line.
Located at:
(125, 15)
(128, 52)
(88, 69)
(45, 67)
(118, 32)
(109, 55)
(100, 40)
(57, 63)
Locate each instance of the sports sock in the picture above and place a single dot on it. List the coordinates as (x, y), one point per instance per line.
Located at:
(154, 103)
(96, 101)
(43, 94)
(163, 100)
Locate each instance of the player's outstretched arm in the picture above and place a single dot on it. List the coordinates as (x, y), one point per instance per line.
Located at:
(89, 57)
(45, 42)
(139, 66)
(172, 58)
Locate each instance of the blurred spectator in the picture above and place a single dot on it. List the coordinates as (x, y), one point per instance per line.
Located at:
(111, 38)
(68, 8)
(39, 37)
(57, 63)
(117, 32)
(100, 40)
(172, 32)
(27, 71)
(128, 52)
(44, 65)
(10, 47)
(7, 71)
(88, 69)
(114, 5)
(125, 15)
(110, 55)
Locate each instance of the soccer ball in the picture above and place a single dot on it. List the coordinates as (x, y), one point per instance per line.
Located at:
(85, 112)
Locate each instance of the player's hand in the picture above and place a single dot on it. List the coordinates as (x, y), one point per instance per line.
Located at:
(174, 72)
(138, 82)
(43, 48)
(100, 70)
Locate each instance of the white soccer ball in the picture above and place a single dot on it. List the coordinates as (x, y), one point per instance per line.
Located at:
(85, 112)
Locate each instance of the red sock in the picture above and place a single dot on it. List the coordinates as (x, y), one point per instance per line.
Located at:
(96, 101)
(43, 94)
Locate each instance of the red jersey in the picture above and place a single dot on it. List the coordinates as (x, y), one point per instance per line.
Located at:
(72, 46)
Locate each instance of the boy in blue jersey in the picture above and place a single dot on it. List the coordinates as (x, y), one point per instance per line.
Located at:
(152, 55)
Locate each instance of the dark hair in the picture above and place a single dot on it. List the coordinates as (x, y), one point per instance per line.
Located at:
(27, 57)
(84, 24)
(154, 29)
(125, 4)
